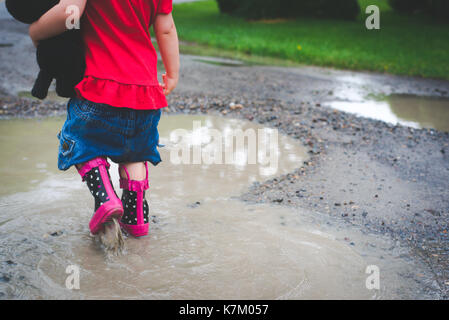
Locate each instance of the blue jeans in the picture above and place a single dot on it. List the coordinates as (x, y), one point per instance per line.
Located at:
(97, 130)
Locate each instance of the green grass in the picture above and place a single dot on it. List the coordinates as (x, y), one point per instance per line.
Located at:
(407, 45)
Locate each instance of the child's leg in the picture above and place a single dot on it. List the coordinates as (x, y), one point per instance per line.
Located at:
(134, 182)
(136, 170)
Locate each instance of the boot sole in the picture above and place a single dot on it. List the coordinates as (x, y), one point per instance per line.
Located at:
(137, 231)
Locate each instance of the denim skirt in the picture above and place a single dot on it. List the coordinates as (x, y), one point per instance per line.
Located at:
(97, 130)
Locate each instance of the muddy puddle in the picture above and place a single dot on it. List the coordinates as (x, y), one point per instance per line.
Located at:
(408, 110)
(204, 242)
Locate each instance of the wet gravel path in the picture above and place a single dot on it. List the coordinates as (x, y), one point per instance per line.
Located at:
(382, 178)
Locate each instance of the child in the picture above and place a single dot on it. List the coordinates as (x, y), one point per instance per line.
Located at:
(118, 107)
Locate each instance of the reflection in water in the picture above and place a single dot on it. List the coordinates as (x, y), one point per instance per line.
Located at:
(203, 243)
(427, 112)
(409, 110)
(232, 177)
(29, 152)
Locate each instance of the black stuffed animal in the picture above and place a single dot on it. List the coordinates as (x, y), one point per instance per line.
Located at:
(60, 57)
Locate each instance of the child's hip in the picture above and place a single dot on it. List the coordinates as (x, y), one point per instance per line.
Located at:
(122, 134)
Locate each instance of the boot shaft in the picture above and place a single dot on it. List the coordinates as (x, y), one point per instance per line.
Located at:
(107, 204)
(96, 175)
(135, 219)
(133, 213)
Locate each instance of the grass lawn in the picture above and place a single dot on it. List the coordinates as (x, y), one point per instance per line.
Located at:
(407, 45)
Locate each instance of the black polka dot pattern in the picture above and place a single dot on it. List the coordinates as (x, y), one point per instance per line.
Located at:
(96, 187)
(129, 201)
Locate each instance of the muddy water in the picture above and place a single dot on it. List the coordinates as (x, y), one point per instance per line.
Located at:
(409, 110)
(204, 242)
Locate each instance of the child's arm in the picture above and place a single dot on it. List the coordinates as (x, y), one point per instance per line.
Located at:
(53, 22)
(167, 40)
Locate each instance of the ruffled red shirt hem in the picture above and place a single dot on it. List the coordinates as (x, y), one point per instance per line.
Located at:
(116, 94)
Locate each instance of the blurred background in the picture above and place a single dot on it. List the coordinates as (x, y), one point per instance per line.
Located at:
(412, 40)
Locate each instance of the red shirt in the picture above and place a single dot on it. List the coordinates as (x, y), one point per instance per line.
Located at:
(121, 62)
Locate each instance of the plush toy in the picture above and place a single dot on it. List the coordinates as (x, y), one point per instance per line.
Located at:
(60, 57)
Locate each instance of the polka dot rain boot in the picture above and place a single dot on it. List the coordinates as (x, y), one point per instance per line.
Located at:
(135, 206)
(107, 204)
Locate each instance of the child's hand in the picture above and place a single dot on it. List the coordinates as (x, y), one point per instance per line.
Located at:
(169, 84)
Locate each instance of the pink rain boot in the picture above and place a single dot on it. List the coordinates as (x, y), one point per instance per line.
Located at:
(107, 205)
(135, 206)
